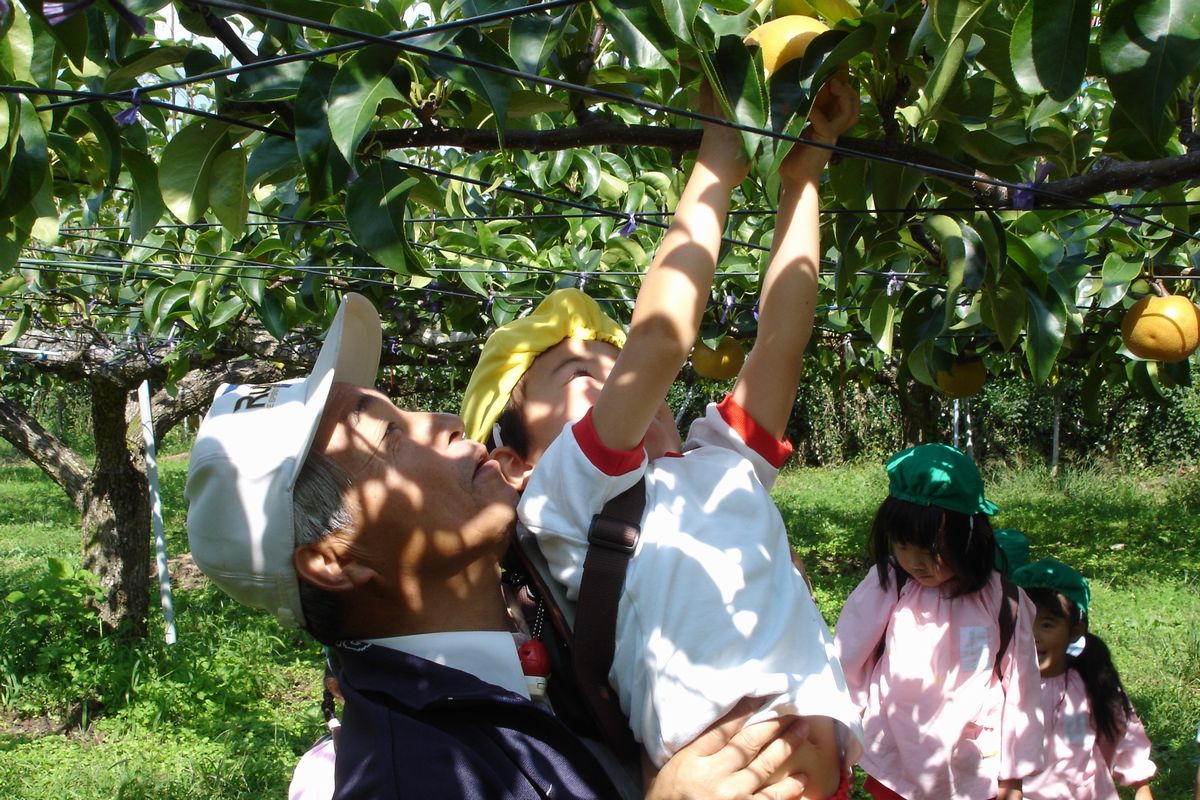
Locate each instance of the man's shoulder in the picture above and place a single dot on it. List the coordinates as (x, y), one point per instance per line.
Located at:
(416, 723)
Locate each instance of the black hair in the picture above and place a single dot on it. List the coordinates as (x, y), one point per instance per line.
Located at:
(1106, 695)
(513, 431)
(964, 543)
(319, 510)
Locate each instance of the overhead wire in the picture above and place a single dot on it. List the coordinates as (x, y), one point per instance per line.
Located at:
(395, 39)
(1117, 211)
(686, 113)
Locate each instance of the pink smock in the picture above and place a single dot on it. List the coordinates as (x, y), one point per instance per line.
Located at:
(1077, 767)
(313, 776)
(938, 723)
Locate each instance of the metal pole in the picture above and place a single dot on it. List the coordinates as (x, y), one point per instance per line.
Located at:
(160, 540)
(955, 422)
(970, 448)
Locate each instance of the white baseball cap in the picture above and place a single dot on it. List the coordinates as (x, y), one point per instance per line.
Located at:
(248, 452)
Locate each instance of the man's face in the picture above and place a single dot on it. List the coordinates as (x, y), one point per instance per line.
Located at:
(564, 382)
(419, 492)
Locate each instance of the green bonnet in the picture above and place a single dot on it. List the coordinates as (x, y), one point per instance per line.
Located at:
(1050, 573)
(938, 475)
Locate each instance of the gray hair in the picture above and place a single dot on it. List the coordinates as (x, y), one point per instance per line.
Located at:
(319, 510)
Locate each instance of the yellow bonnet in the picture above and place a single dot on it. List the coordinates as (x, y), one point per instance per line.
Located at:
(507, 354)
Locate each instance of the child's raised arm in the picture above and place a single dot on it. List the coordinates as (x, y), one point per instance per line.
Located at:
(766, 385)
(670, 303)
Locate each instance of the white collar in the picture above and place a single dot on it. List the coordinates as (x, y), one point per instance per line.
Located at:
(488, 655)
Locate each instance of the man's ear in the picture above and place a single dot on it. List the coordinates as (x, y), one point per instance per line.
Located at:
(513, 467)
(329, 564)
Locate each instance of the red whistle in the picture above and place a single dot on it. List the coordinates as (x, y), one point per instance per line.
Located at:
(535, 661)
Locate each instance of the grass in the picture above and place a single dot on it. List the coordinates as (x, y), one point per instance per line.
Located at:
(225, 712)
(1133, 536)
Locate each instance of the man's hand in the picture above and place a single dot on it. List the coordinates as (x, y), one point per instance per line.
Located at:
(732, 761)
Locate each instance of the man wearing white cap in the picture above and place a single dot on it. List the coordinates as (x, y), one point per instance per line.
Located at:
(380, 531)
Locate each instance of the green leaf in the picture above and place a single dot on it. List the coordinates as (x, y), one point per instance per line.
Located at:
(948, 233)
(360, 85)
(680, 14)
(274, 159)
(923, 320)
(591, 172)
(1046, 327)
(185, 167)
(226, 310)
(1147, 49)
(18, 328)
(375, 211)
(270, 84)
(148, 205)
(532, 39)
(1049, 46)
(881, 323)
(324, 166)
(126, 75)
(954, 19)
(227, 191)
(492, 88)
(308, 9)
(12, 284)
(641, 34)
(946, 74)
(360, 19)
(1116, 274)
(1002, 307)
(739, 86)
(108, 136)
(16, 49)
(29, 166)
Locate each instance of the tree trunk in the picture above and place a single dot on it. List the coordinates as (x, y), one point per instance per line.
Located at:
(918, 417)
(116, 514)
(47, 451)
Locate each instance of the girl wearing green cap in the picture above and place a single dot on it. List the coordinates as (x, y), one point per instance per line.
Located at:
(948, 689)
(1094, 739)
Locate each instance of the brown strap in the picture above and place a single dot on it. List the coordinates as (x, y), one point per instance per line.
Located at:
(1010, 602)
(612, 539)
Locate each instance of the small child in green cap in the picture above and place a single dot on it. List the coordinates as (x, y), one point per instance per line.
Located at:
(1093, 737)
(936, 648)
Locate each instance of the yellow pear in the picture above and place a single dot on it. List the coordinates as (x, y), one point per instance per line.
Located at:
(784, 39)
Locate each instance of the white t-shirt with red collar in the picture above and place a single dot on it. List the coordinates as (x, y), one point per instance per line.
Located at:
(713, 609)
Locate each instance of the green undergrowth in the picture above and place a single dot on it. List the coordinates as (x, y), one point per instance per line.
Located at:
(1133, 535)
(222, 713)
(225, 712)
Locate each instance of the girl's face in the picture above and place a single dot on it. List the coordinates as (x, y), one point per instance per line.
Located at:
(919, 562)
(1051, 634)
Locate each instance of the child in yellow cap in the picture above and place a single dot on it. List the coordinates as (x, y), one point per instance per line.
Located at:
(713, 609)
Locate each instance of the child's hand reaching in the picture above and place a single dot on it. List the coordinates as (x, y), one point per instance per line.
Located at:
(834, 111)
(721, 149)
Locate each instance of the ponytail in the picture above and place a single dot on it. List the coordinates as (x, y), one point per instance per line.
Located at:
(1110, 705)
